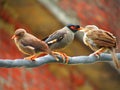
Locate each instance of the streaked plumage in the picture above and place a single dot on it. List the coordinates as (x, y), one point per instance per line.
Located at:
(100, 40)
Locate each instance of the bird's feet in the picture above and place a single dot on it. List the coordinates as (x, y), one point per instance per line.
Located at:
(98, 52)
(32, 58)
(95, 54)
(63, 55)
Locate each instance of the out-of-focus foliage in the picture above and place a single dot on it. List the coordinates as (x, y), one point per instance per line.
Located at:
(36, 19)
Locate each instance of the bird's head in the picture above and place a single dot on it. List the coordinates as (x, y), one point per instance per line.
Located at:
(73, 28)
(19, 33)
(89, 27)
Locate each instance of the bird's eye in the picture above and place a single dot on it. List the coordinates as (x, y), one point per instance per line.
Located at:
(72, 27)
(20, 34)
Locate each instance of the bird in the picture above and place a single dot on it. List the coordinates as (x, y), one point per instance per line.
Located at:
(100, 41)
(62, 38)
(30, 45)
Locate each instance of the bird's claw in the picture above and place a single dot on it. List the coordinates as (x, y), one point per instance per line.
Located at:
(63, 55)
(56, 59)
(95, 54)
(30, 58)
(65, 58)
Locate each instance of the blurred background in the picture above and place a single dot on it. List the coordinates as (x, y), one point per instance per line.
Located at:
(41, 18)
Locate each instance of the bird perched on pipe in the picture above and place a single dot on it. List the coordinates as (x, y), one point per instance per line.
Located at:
(61, 38)
(100, 41)
(30, 45)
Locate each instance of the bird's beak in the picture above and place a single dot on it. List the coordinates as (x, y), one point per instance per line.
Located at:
(81, 28)
(14, 36)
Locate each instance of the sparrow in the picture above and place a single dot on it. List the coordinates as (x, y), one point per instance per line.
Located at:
(100, 41)
(30, 45)
(62, 38)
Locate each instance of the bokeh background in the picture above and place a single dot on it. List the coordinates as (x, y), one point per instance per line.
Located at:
(41, 18)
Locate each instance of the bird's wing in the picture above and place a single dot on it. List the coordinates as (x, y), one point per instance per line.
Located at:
(102, 38)
(33, 42)
(55, 37)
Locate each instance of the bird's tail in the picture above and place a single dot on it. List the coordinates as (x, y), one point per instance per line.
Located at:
(52, 54)
(114, 57)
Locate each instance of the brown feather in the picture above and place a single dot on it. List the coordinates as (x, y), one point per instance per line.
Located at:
(31, 45)
(114, 57)
(99, 41)
(102, 38)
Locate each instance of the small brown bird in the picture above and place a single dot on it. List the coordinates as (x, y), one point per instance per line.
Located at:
(30, 45)
(62, 38)
(100, 41)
